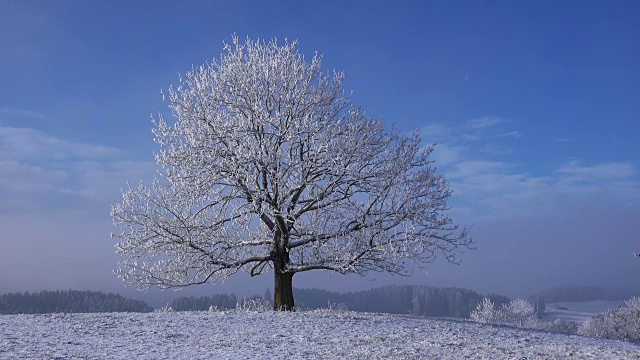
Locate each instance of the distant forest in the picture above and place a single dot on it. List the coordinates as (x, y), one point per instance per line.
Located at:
(68, 301)
(395, 299)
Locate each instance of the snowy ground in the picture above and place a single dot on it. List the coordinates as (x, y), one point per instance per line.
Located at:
(300, 335)
(578, 311)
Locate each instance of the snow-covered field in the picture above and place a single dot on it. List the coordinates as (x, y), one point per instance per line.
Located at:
(299, 335)
(578, 311)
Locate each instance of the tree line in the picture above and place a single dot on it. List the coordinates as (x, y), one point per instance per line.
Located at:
(68, 301)
(400, 299)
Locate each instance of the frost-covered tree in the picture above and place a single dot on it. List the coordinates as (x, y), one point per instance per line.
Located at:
(485, 312)
(269, 166)
(518, 313)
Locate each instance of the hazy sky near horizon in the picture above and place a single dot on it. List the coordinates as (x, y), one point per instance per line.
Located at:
(534, 107)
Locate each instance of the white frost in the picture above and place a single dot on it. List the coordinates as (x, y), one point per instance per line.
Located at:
(285, 335)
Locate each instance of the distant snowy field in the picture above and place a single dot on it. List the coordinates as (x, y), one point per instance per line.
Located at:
(270, 335)
(578, 311)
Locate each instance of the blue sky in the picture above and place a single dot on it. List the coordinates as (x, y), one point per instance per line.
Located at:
(533, 106)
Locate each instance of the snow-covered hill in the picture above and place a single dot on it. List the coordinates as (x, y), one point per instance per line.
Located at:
(299, 335)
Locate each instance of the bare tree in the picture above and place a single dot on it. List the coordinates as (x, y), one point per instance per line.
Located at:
(270, 167)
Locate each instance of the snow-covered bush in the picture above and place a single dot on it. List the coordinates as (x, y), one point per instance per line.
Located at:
(518, 313)
(622, 323)
(164, 309)
(561, 326)
(337, 307)
(257, 304)
(485, 312)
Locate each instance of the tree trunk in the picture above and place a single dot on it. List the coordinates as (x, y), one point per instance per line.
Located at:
(283, 281)
(282, 290)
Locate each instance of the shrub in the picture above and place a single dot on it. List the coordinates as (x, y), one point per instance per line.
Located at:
(518, 313)
(256, 304)
(561, 326)
(485, 312)
(621, 324)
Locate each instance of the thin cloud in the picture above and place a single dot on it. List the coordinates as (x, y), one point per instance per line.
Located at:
(25, 187)
(606, 179)
(29, 177)
(470, 168)
(43, 173)
(473, 157)
(467, 140)
(469, 130)
(605, 171)
(103, 181)
(83, 187)
(437, 132)
(512, 134)
(489, 127)
(482, 123)
(29, 144)
(447, 155)
(24, 113)
(505, 191)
